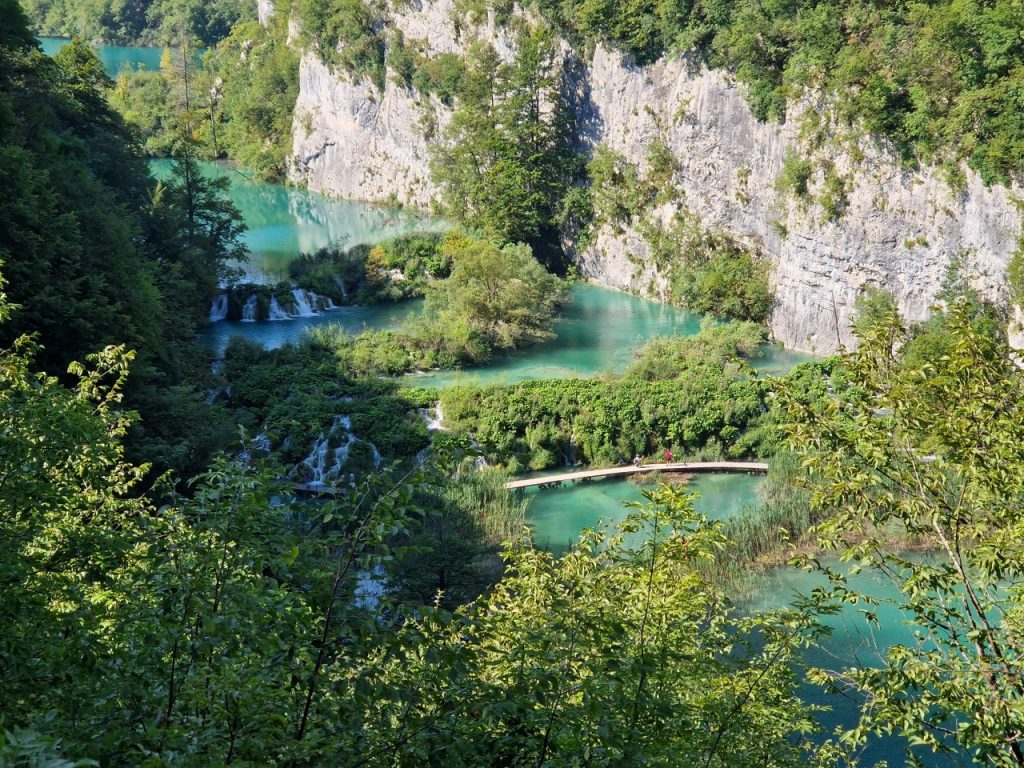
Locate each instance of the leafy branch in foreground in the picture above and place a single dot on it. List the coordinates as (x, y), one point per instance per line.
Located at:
(930, 449)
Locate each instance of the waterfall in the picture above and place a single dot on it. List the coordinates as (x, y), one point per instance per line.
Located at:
(433, 422)
(276, 311)
(480, 462)
(249, 310)
(305, 301)
(317, 460)
(377, 460)
(259, 444)
(341, 286)
(219, 308)
(321, 473)
(570, 457)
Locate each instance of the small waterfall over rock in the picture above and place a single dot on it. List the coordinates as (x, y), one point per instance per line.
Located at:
(570, 456)
(276, 310)
(249, 310)
(258, 445)
(323, 466)
(219, 308)
(341, 286)
(306, 302)
(433, 422)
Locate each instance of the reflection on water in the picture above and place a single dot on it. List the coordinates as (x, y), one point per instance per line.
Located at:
(285, 222)
(597, 333)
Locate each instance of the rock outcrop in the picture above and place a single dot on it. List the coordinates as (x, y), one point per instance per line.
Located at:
(264, 11)
(355, 140)
(899, 231)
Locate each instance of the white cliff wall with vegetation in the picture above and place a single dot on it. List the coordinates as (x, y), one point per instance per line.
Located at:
(848, 215)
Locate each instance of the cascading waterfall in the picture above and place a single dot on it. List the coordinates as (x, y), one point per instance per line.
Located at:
(249, 310)
(277, 312)
(219, 308)
(320, 472)
(433, 422)
(306, 302)
(341, 286)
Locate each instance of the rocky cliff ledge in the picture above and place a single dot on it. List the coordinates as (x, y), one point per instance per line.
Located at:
(899, 229)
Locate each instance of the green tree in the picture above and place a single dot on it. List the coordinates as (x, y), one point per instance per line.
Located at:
(612, 651)
(255, 81)
(504, 163)
(930, 450)
(495, 298)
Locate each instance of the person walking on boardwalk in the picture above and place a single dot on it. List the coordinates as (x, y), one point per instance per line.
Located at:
(668, 456)
(637, 461)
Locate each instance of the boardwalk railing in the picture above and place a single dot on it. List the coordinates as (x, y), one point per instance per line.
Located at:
(687, 467)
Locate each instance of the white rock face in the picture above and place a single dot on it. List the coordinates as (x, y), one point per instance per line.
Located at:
(899, 231)
(264, 11)
(354, 141)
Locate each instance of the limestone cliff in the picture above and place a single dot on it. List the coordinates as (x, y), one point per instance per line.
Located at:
(899, 230)
(264, 11)
(354, 140)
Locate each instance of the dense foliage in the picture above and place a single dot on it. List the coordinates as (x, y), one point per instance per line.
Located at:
(393, 269)
(928, 446)
(97, 253)
(494, 299)
(224, 628)
(346, 33)
(145, 22)
(684, 394)
(253, 78)
(505, 159)
(237, 102)
(950, 88)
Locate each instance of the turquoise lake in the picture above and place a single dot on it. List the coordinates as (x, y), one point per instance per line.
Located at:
(558, 515)
(285, 222)
(114, 57)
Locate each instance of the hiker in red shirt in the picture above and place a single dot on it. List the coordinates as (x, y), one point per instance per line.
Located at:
(668, 457)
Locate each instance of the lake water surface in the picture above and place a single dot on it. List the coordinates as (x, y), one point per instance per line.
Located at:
(114, 57)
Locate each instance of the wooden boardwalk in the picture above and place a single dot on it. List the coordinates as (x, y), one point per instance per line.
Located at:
(687, 467)
(589, 474)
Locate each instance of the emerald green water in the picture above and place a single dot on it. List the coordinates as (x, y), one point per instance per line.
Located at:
(277, 333)
(558, 515)
(285, 222)
(114, 57)
(597, 333)
(853, 642)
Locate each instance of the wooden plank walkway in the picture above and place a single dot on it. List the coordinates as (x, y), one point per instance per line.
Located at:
(691, 467)
(688, 467)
